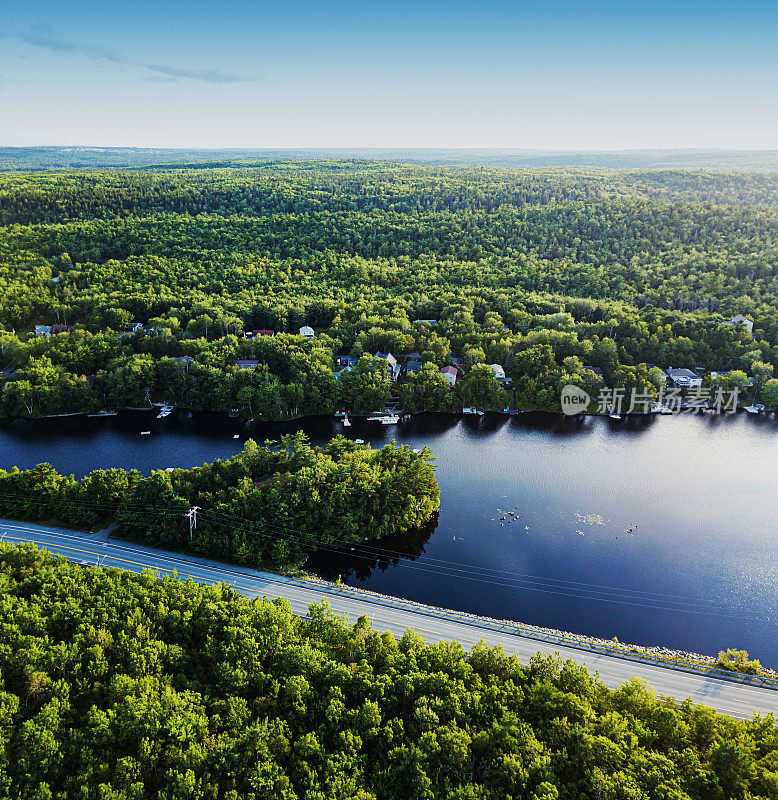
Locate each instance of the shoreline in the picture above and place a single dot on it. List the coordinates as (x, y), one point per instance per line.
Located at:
(364, 417)
(690, 659)
(678, 659)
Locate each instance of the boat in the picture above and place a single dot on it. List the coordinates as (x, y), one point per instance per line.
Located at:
(359, 441)
(390, 419)
(165, 411)
(472, 410)
(346, 421)
(104, 413)
(754, 409)
(145, 433)
(613, 415)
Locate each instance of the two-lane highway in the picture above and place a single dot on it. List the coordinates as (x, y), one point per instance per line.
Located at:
(738, 700)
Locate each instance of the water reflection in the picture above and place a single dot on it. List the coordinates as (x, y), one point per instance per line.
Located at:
(673, 518)
(361, 561)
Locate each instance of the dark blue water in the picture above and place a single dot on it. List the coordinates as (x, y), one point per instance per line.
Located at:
(658, 531)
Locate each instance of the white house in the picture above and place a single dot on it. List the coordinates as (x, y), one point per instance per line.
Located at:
(684, 378)
(498, 371)
(450, 374)
(739, 319)
(306, 331)
(43, 330)
(391, 364)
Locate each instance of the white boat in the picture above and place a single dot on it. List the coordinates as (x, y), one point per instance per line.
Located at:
(359, 441)
(390, 419)
(346, 421)
(145, 433)
(377, 417)
(472, 410)
(165, 411)
(614, 416)
(755, 409)
(104, 413)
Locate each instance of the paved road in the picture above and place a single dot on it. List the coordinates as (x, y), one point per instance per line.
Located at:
(737, 700)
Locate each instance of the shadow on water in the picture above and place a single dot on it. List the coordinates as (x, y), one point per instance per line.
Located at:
(365, 558)
(658, 529)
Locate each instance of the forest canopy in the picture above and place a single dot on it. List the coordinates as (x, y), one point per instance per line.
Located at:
(148, 282)
(121, 686)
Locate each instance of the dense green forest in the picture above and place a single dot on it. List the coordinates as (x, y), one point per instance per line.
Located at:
(265, 507)
(123, 687)
(541, 271)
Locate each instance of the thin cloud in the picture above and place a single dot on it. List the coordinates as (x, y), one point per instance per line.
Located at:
(204, 75)
(42, 36)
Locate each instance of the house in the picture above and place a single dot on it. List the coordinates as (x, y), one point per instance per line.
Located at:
(430, 322)
(414, 356)
(183, 361)
(716, 375)
(59, 328)
(307, 332)
(391, 364)
(498, 371)
(450, 374)
(136, 327)
(739, 319)
(684, 378)
(259, 332)
(43, 330)
(412, 367)
(247, 363)
(596, 370)
(342, 360)
(456, 360)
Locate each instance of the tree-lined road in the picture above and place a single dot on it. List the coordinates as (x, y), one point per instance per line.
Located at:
(735, 699)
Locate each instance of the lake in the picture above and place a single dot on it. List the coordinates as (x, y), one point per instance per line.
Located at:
(657, 530)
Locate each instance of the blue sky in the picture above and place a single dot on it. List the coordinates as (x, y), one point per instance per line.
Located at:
(542, 75)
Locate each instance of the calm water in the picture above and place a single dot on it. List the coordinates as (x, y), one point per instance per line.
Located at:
(699, 569)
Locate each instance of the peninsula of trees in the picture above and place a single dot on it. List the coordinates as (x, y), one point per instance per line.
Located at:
(264, 507)
(268, 291)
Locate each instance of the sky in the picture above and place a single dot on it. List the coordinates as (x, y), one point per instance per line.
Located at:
(549, 74)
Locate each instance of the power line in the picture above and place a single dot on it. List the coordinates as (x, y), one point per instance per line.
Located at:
(525, 581)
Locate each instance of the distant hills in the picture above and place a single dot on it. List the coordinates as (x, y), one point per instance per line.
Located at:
(45, 158)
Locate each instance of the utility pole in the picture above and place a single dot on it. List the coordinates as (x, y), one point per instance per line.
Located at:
(192, 514)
